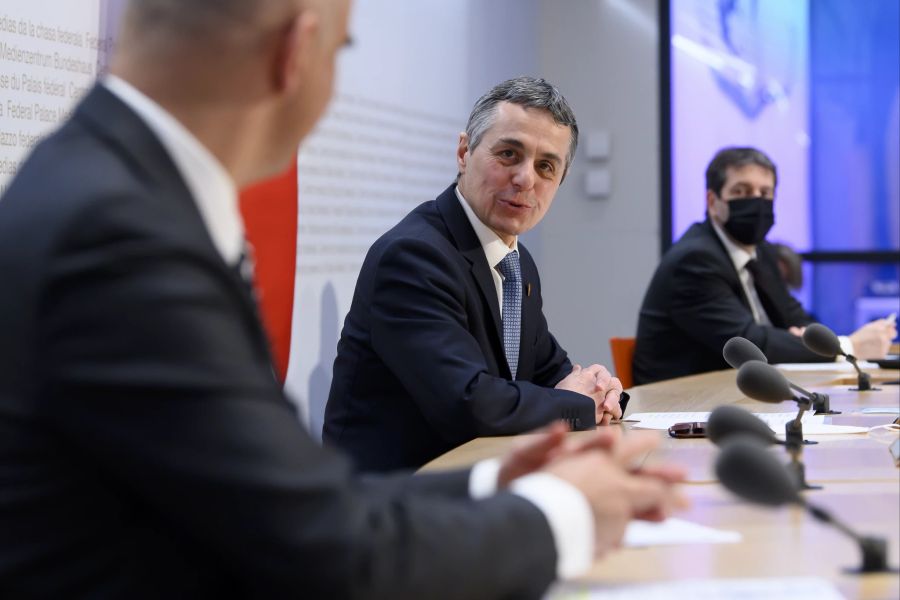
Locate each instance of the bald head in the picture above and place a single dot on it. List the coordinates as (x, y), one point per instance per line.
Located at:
(196, 14)
(249, 78)
(208, 25)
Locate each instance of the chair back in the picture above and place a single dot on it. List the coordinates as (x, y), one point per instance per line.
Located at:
(623, 356)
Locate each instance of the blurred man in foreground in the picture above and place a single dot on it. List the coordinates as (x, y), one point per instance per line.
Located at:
(721, 280)
(146, 450)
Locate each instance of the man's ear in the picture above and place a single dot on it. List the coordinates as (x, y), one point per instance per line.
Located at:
(461, 152)
(294, 50)
(710, 201)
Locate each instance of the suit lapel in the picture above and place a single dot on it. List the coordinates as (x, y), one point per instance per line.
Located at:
(728, 266)
(470, 247)
(530, 314)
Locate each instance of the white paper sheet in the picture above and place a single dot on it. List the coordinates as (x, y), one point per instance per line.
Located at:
(664, 420)
(881, 410)
(674, 532)
(775, 588)
(828, 366)
(828, 429)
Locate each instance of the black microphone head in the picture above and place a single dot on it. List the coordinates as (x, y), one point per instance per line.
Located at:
(762, 381)
(739, 350)
(745, 468)
(727, 421)
(821, 340)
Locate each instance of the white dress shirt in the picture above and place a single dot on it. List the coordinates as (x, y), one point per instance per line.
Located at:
(566, 509)
(495, 249)
(212, 188)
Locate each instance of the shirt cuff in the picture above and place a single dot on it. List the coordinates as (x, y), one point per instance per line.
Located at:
(570, 517)
(483, 479)
(846, 345)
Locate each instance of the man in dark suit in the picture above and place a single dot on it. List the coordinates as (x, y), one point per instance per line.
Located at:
(146, 450)
(446, 340)
(721, 280)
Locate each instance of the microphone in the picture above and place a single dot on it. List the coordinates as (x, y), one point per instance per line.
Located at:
(729, 420)
(747, 470)
(761, 381)
(739, 350)
(824, 342)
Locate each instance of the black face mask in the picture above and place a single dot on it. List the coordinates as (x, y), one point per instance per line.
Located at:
(750, 219)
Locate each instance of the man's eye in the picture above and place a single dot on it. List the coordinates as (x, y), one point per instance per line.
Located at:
(507, 154)
(547, 168)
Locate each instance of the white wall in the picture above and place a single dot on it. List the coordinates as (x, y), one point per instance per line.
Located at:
(50, 54)
(597, 255)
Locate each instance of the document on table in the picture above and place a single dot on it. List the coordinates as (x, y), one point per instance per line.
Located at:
(776, 588)
(881, 410)
(812, 424)
(670, 532)
(826, 366)
(664, 420)
(827, 429)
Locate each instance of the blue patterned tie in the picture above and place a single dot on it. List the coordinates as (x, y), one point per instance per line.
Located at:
(512, 308)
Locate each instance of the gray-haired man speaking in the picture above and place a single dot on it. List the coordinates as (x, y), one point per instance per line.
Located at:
(446, 339)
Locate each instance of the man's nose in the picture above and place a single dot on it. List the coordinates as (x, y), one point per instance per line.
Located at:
(523, 178)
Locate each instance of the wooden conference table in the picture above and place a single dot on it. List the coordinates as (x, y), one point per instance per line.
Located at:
(861, 487)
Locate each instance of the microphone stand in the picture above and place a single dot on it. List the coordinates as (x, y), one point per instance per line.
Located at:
(863, 379)
(821, 403)
(793, 443)
(873, 548)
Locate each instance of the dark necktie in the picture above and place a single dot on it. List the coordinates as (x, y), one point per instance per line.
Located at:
(245, 266)
(512, 308)
(766, 292)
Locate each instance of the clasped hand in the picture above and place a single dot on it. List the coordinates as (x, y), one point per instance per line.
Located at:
(608, 468)
(597, 382)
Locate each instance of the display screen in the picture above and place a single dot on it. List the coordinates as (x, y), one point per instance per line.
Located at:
(739, 77)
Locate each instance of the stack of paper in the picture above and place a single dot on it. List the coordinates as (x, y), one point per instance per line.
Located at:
(827, 366)
(675, 532)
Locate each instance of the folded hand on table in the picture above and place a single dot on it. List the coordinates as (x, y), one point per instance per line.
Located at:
(597, 382)
(607, 467)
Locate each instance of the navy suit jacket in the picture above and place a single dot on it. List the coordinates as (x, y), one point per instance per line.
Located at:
(147, 451)
(421, 367)
(695, 303)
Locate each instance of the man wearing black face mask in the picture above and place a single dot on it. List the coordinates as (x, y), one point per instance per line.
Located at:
(721, 280)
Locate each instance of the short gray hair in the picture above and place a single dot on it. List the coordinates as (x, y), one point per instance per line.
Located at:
(528, 92)
(735, 157)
